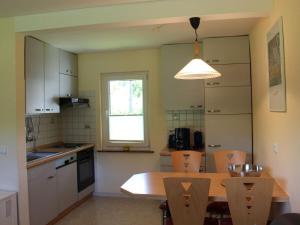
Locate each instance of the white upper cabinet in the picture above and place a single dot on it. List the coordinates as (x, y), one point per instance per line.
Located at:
(51, 79)
(42, 77)
(232, 75)
(68, 63)
(68, 86)
(226, 50)
(34, 60)
(179, 94)
(228, 100)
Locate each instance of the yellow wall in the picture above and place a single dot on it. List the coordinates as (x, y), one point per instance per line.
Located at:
(115, 168)
(275, 127)
(13, 175)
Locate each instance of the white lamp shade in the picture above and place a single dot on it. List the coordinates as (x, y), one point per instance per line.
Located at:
(197, 69)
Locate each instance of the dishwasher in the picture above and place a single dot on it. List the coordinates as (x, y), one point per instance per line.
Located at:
(66, 171)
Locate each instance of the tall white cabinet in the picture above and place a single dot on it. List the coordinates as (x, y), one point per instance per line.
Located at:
(8, 208)
(228, 108)
(179, 94)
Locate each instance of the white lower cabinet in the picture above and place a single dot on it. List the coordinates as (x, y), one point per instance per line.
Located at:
(42, 194)
(233, 132)
(8, 208)
(67, 193)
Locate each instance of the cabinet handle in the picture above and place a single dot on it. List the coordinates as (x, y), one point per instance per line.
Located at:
(208, 83)
(199, 106)
(208, 61)
(67, 70)
(216, 83)
(47, 110)
(50, 177)
(214, 110)
(215, 146)
(38, 110)
(69, 95)
(215, 60)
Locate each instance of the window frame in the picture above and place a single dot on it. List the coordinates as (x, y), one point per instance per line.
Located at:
(104, 92)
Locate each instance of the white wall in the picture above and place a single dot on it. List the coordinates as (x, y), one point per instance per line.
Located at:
(112, 169)
(277, 127)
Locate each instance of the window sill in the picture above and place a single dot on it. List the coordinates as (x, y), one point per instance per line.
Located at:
(122, 151)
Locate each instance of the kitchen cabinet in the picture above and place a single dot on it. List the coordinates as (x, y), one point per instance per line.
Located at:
(232, 132)
(179, 94)
(68, 86)
(42, 77)
(226, 50)
(51, 79)
(67, 192)
(68, 63)
(228, 100)
(42, 191)
(232, 75)
(35, 85)
(8, 208)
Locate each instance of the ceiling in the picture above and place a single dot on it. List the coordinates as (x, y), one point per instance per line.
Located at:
(107, 38)
(10, 8)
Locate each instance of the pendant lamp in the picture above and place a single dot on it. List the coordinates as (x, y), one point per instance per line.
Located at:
(196, 68)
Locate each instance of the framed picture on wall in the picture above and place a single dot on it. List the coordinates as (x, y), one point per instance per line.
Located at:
(277, 88)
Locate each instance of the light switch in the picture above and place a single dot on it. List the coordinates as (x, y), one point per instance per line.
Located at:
(3, 149)
(275, 148)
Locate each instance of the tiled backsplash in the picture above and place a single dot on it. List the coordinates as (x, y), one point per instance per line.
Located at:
(79, 124)
(75, 125)
(193, 119)
(46, 129)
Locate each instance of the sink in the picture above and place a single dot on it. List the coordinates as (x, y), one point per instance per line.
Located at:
(37, 155)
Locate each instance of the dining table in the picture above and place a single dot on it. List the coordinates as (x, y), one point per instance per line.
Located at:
(150, 185)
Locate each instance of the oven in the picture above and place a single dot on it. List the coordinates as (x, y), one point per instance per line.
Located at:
(85, 169)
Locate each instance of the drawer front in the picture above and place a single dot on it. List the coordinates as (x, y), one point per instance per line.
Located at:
(165, 161)
(44, 170)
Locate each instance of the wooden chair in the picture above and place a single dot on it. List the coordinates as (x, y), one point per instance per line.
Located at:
(225, 157)
(222, 160)
(249, 199)
(187, 199)
(186, 161)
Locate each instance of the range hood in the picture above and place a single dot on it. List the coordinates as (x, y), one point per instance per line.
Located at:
(74, 102)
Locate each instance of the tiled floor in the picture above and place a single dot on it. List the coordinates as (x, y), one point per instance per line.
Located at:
(115, 211)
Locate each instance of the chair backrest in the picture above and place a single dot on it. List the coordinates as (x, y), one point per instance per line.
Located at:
(186, 161)
(225, 157)
(249, 199)
(287, 219)
(187, 199)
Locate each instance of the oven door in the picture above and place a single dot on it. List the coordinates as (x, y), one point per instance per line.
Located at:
(85, 169)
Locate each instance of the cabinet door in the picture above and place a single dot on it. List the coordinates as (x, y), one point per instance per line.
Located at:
(232, 75)
(42, 194)
(51, 79)
(179, 94)
(226, 50)
(34, 76)
(227, 132)
(74, 70)
(68, 86)
(8, 211)
(228, 100)
(67, 192)
(65, 62)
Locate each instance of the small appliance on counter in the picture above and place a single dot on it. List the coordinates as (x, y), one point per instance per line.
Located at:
(171, 140)
(182, 138)
(198, 140)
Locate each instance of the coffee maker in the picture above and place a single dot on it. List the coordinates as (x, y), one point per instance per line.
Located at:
(182, 138)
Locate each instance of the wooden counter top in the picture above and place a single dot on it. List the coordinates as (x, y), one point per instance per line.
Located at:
(61, 152)
(150, 185)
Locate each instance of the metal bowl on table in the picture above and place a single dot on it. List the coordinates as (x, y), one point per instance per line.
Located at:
(245, 170)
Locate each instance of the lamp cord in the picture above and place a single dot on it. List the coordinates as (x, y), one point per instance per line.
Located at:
(196, 34)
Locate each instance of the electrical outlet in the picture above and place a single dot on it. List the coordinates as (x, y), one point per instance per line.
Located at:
(3, 150)
(275, 148)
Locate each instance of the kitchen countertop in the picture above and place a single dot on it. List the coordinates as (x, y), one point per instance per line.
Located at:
(167, 151)
(61, 152)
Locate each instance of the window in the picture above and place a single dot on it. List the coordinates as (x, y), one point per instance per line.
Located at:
(124, 110)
